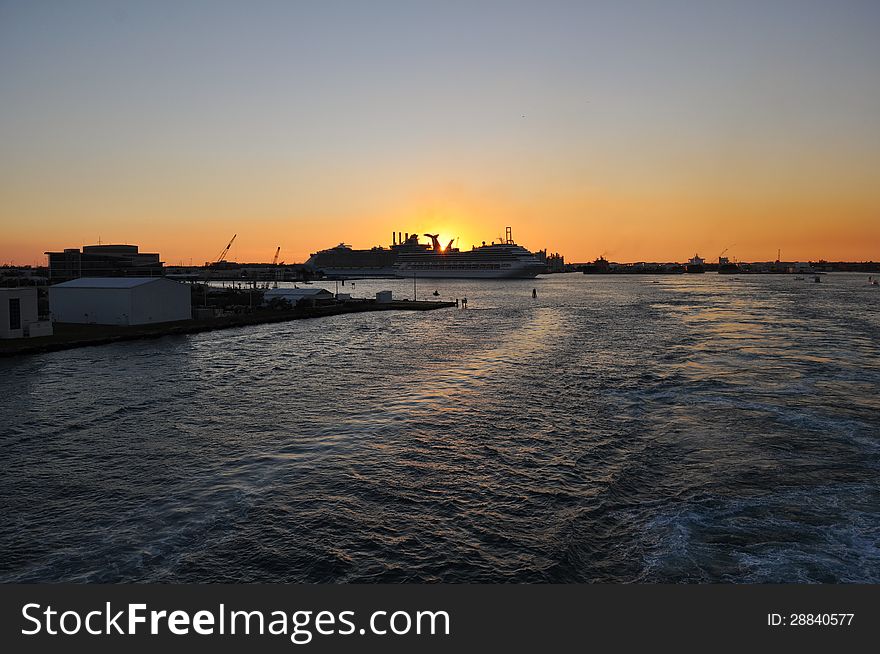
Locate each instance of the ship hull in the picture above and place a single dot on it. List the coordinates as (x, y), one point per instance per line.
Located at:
(466, 274)
(358, 273)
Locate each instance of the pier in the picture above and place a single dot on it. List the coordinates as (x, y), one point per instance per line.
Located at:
(68, 335)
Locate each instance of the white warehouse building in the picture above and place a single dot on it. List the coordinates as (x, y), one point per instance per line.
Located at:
(294, 295)
(19, 314)
(120, 301)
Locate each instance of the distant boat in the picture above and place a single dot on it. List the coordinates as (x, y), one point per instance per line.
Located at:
(435, 293)
(696, 265)
(599, 267)
(726, 266)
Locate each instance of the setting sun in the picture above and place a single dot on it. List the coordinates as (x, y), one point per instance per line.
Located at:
(590, 145)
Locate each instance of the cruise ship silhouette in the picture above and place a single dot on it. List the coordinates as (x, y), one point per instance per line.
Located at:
(408, 257)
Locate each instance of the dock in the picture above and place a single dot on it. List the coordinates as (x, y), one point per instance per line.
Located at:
(69, 335)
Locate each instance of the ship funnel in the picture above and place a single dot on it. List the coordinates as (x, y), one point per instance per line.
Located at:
(434, 242)
(393, 238)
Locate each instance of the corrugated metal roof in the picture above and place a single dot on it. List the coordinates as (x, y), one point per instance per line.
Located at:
(109, 282)
(295, 292)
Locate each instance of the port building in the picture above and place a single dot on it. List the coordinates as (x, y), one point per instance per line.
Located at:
(103, 261)
(120, 301)
(295, 295)
(19, 314)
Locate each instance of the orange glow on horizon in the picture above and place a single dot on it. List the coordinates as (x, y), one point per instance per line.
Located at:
(631, 231)
(644, 220)
(640, 136)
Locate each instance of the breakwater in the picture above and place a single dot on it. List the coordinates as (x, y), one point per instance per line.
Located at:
(69, 335)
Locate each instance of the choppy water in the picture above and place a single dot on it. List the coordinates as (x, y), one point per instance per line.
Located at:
(688, 428)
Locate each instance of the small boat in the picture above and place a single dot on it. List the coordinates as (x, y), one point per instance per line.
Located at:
(436, 293)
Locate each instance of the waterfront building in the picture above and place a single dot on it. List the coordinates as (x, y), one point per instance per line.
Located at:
(555, 262)
(23, 276)
(120, 301)
(103, 261)
(19, 314)
(294, 295)
(800, 267)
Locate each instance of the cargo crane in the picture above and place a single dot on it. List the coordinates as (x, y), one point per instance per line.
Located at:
(724, 264)
(222, 257)
(275, 258)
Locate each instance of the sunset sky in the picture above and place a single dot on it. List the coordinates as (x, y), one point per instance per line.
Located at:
(638, 130)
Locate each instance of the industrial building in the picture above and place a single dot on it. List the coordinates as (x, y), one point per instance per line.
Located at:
(555, 262)
(19, 314)
(103, 261)
(120, 301)
(295, 295)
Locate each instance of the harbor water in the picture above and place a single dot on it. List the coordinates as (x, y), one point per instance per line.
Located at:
(689, 428)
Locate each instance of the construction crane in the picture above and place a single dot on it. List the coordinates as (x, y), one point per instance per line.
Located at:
(223, 254)
(723, 251)
(275, 258)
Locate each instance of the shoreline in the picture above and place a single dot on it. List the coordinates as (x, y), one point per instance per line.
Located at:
(69, 335)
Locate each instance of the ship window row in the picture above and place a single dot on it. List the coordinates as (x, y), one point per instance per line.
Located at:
(448, 266)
